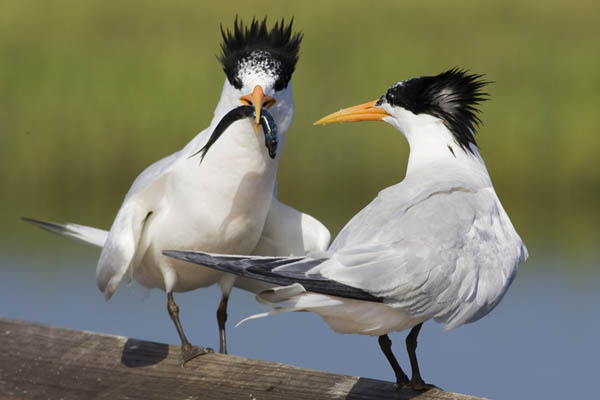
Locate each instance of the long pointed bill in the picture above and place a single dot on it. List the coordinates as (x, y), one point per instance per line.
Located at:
(362, 112)
(258, 100)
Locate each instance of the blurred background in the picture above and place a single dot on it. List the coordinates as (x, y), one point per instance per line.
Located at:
(93, 92)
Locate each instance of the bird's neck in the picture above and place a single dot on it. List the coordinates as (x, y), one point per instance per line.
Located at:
(227, 102)
(432, 145)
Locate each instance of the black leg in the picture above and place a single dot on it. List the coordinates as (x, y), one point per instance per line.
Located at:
(386, 346)
(416, 382)
(187, 350)
(221, 319)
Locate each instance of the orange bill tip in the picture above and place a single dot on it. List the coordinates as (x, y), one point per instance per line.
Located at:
(257, 99)
(362, 112)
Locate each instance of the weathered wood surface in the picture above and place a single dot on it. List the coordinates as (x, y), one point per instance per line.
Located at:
(46, 362)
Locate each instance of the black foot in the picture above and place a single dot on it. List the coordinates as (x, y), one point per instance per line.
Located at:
(419, 386)
(190, 352)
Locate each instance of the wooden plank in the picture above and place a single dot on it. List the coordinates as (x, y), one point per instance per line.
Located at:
(41, 361)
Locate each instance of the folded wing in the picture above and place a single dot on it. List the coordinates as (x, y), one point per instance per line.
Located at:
(289, 232)
(450, 256)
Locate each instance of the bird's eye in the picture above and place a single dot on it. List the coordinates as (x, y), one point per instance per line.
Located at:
(390, 97)
(394, 94)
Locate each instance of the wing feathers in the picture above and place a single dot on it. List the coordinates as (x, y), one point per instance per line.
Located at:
(289, 232)
(121, 247)
(264, 269)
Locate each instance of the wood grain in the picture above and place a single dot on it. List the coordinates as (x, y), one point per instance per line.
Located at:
(46, 362)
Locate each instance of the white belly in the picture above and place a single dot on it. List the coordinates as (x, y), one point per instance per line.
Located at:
(366, 318)
(341, 314)
(205, 208)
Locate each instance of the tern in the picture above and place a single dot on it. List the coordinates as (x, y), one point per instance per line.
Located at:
(438, 245)
(223, 200)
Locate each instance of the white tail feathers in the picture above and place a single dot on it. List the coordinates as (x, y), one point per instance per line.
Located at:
(343, 315)
(85, 234)
(280, 293)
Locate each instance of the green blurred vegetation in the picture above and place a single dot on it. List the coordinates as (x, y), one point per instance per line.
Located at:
(91, 92)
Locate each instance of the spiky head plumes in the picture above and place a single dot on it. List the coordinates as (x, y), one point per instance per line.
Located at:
(261, 50)
(452, 96)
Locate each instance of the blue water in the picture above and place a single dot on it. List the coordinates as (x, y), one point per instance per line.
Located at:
(541, 342)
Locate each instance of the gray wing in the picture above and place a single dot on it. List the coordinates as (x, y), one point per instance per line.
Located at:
(370, 224)
(276, 270)
(289, 232)
(450, 255)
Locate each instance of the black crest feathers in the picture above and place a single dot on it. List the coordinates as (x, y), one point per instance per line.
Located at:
(452, 96)
(277, 49)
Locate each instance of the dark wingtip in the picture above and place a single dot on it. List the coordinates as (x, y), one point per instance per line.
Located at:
(178, 254)
(49, 226)
(36, 222)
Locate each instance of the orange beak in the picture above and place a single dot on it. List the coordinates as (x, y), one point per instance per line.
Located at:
(257, 99)
(362, 112)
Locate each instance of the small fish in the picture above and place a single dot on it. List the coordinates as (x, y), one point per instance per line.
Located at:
(266, 121)
(270, 130)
